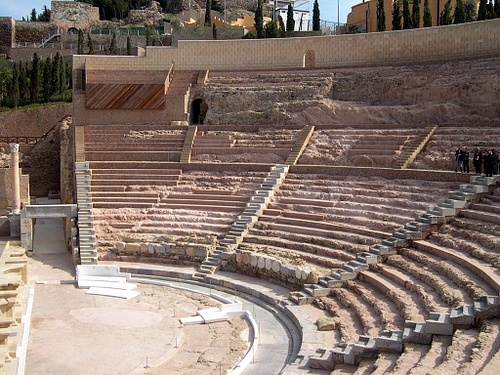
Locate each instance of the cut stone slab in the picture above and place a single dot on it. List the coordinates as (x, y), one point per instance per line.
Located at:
(111, 292)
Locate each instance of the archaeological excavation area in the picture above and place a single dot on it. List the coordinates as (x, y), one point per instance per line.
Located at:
(288, 220)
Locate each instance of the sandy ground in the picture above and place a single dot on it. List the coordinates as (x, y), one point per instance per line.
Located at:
(75, 333)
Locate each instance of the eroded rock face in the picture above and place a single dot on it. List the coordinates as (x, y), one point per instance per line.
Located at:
(459, 92)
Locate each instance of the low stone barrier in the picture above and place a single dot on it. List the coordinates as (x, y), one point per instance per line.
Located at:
(249, 263)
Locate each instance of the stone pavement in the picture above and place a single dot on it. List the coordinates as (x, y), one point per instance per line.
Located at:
(74, 333)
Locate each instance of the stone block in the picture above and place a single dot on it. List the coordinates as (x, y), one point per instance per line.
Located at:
(415, 332)
(439, 324)
(132, 247)
(326, 324)
(200, 253)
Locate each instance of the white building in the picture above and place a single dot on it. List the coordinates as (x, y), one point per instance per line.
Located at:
(301, 12)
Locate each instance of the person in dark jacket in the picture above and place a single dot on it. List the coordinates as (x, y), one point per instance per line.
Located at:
(488, 163)
(465, 160)
(477, 160)
(459, 165)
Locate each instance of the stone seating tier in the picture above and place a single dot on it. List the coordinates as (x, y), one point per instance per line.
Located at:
(151, 156)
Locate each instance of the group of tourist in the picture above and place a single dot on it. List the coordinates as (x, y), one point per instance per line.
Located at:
(484, 161)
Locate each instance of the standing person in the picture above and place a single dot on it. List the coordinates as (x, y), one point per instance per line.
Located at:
(496, 161)
(459, 166)
(488, 163)
(465, 159)
(477, 160)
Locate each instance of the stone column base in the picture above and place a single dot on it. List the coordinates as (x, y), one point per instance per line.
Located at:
(15, 225)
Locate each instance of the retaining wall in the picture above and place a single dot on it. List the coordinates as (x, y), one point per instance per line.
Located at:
(474, 39)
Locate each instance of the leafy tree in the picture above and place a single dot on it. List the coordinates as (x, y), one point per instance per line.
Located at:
(271, 30)
(33, 15)
(214, 32)
(470, 10)
(290, 21)
(459, 16)
(481, 13)
(396, 15)
(259, 20)
(427, 14)
(415, 14)
(208, 17)
(281, 26)
(445, 17)
(7, 77)
(129, 46)
(80, 42)
(380, 16)
(45, 15)
(353, 29)
(407, 18)
(316, 19)
(496, 8)
(34, 78)
(90, 43)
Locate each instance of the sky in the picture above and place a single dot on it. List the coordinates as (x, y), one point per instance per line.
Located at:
(22, 8)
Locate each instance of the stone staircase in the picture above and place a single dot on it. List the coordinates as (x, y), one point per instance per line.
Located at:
(437, 323)
(239, 228)
(177, 95)
(300, 145)
(188, 144)
(87, 249)
(413, 148)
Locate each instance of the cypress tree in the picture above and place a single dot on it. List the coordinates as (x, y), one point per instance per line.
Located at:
(396, 15)
(445, 18)
(282, 30)
(481, 13)
(459, 16)
(496, 8)
(129, 46)
(259, 21)
(23, 83)
(80, 42)
(112, 46)
(316, 19)
(208, 17)
(290, 21)
(380, 16)
(90, 44)
(415, 14)
(490, 13)
(214, 32)
(407, 18)
(33, 15)
(47, 81)
(15, 96)
(427, 14)
(34, 78)
(470, 10)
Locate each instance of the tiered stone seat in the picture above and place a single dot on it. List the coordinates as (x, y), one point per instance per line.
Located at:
(357, 145)
(201, 205)
(133, 143)
(327, 221)
(122, 184)
(232, 143)
(439, 152)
